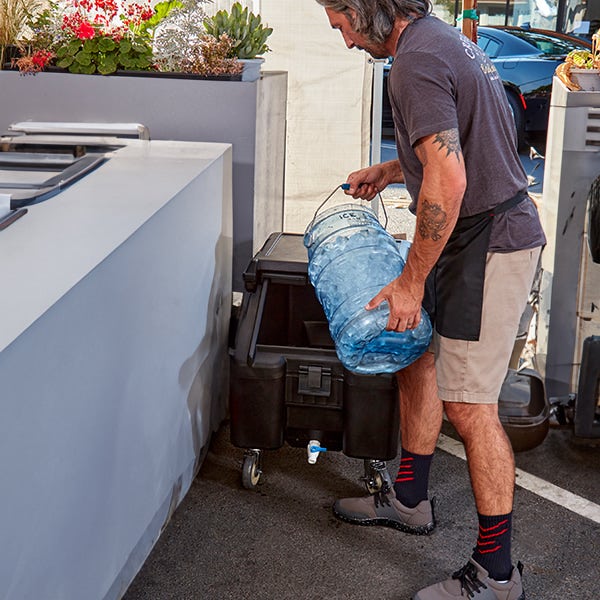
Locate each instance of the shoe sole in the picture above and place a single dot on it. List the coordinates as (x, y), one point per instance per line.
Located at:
(384, 522)
(521, 597)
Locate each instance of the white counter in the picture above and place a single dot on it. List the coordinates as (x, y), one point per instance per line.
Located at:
(114, 315)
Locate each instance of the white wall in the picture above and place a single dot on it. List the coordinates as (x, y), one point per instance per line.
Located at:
(329, 99)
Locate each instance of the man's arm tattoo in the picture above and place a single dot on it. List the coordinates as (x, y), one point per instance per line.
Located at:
(450, 141)
(433, 220)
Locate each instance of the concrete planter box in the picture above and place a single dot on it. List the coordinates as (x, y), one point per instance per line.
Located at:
(587, 79)
(249, 115)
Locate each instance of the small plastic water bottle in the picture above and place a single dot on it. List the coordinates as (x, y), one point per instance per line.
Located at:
(351, 258)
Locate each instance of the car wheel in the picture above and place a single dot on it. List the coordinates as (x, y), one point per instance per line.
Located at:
(516, 108)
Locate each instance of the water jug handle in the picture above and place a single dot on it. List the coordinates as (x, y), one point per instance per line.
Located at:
(345, 186)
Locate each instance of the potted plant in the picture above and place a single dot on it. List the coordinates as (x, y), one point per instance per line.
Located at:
(94, 36)
(181, 45)
(248, 33)
(127, 37)
(581, 69)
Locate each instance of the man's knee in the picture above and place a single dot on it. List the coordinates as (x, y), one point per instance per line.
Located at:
(467, 418)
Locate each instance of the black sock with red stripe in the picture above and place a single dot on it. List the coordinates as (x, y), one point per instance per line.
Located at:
(493, 545)
(413, 478)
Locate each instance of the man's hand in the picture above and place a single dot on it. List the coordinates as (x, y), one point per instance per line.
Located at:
(367, 183)
(405, 305)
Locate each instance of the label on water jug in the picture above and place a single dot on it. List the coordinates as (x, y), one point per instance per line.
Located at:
(336, 220)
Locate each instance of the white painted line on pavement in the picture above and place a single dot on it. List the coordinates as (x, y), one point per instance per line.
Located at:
(549, 491)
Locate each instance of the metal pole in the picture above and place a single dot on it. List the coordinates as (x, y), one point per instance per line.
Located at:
(376, 114)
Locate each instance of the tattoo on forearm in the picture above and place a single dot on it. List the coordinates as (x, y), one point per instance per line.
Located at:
(433, 220)
(450, 141)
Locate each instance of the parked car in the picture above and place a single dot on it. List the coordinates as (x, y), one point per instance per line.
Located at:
(526, 60)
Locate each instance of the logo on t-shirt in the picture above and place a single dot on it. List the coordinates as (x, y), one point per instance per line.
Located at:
(474, 52)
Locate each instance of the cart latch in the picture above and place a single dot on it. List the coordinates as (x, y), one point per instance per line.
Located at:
(314, 381)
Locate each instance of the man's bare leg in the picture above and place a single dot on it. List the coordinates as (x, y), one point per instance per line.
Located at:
(421, 410)
(489, 455)
(420, 422)
(492, 470)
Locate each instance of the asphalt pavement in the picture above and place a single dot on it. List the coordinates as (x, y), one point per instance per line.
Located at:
(282, 542)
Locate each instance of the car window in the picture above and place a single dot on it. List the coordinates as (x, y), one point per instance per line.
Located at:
(489, 45)
(550, 46)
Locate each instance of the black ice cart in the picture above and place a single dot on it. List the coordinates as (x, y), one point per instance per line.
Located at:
(287, 384)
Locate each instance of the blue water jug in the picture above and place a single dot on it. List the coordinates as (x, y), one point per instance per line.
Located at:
(351, 257)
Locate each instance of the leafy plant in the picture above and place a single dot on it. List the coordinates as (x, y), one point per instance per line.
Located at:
(104, 54)
(33, 63)
(245, 28)
(182, 45)
(14, 17)
(581, 59)
(177, 34)
(99, 36)
(210, 57)
(103, 36)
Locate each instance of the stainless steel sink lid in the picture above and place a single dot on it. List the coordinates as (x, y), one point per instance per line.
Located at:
(35, 168)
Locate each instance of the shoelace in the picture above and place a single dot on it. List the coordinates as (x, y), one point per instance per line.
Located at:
(469, 582)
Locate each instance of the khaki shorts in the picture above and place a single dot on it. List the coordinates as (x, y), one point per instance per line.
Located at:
(474, 371)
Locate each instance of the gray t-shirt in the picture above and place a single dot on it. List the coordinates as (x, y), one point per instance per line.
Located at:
(440, 80)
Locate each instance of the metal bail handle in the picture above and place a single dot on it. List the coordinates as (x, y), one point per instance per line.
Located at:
(345, 186)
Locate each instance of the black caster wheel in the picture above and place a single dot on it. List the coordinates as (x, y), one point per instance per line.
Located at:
(251, 471)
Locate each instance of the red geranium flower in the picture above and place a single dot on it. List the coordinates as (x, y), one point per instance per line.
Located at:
(85, 31)
(41, 58)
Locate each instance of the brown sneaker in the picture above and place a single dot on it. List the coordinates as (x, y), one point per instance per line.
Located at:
(473, 581)
(382, 508)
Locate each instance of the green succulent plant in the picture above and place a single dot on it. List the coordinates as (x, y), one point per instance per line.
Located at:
(246, 29)
(582, 59)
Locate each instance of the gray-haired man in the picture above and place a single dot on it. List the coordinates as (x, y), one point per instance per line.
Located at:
(475, 251)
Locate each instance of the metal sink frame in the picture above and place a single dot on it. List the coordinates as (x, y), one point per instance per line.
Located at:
(28, 159)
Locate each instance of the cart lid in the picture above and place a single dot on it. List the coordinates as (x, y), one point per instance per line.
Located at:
(283, 258)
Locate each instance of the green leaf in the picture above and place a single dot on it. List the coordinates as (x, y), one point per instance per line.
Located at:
(74, 46)
(126, 60)
(65, 62)
(243, 27)
(142, 62)
(107, 66)
(62, 52)
(107, 44)
(125, 46)
(85, 69)
(90, 46)
(83, 58)
(161, 11)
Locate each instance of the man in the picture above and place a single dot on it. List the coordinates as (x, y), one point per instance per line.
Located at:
(475, 250)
